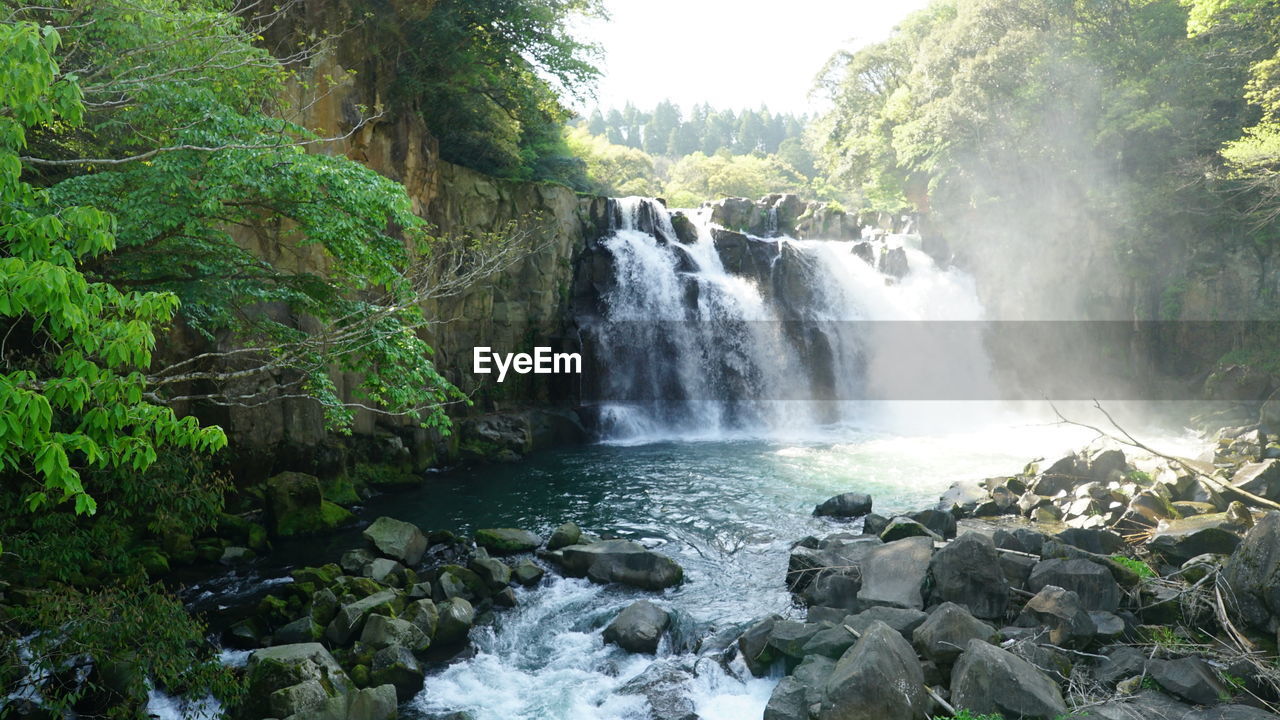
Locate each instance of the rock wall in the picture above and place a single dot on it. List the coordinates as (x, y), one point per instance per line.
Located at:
(519, 308)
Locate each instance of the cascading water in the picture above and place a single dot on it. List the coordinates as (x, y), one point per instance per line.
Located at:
(731, 335)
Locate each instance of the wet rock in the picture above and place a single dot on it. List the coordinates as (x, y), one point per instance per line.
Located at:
(947, 631)
(665, 685)
(1070, 624)
(271, 671)
(381, 631)
(866, 252)
(624, 562)
(397, 666)
(893, 573)
(424, 615)
(754, 647)
(968, 572)
(789, 637)
(846, 505)
(987, 679)
(384, 571)
(638, 628)
(454, 581)
(813, 673)
(564, 536)
(354, 561)
(507, 541)
(1189, 678)
(397, 539)
(456, 617)
(527, 573)
(894, 263)
(1093, 583)
(350, 619)
(505, 598)
(874, 524)
(904, 527)
(493, 573)
(963, 498)
(1180, 540)
(877, 678)
(787, 701)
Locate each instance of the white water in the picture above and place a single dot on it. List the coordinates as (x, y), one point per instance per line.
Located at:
(727, 363)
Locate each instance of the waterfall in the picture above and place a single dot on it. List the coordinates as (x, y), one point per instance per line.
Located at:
(732, 335)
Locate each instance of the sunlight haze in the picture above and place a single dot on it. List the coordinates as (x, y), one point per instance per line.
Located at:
(731, 54)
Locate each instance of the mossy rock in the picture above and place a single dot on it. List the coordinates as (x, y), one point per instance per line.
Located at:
(153, 561)
(507, 540)
(321, 577)
(326, 518)
(360, 675)
(275, 610)
(341, 490)
(385, 476)
(299, 508)
(257, 539)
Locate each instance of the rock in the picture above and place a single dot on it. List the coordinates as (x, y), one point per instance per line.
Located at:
(375, 703)
(564, 536)
(506, 598)
(894, 263)
(904, 620)
(424, 615)
(302, 630)
(810, 570)
(350, 619)
(527, 573)
(866, 252)
(1120, 663)
(1093, 540)
(1189, 678)
(754, 647)
(638, 628)
(301, 699)
(962, 498)
(904, 527)
(1070, 624)
(297, 506)
(381, 631)
(493, 573)
(385, 571)
(787, 701)
(396, 666)
(353, 561)
(942, 524)
(813, 673)
(878, 678)
(1180, 540)
(233, 555)
(830, 642)
(947, 631)
(271, 670)
(1016, 569)
(893, 573)
(1109, 627)
(874, 524)
(624, 562)
(986, 679)
(397, 539)
(1093, 583)
(847, 505)
(665, 685)
(789, 637)
(507, 541)
(455, 620)
(968, 572)
(1259, 478)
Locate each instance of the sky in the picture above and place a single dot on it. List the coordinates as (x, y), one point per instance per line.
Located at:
(730, 53)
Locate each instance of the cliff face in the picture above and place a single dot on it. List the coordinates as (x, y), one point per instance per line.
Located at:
(521, 307)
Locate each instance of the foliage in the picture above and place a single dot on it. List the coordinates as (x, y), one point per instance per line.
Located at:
(484, 75)
(71, 391)
(699, 177)
(614, 169)
(668, 132)
(1140, 568)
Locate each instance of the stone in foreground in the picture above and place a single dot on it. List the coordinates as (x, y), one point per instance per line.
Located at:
(878, 678)
(397, 539)
(623, 562)
(507, 541)
(847, 505)
(987, 679)
(638, 628)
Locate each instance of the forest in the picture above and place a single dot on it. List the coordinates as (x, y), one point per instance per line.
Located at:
(180, 244)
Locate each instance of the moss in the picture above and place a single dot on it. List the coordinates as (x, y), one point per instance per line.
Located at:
(257, 539)
(321, 577)
(341, 490)
(360, 675)
(328, 516)
(382, 475)
(1140, 568)
(153, 561)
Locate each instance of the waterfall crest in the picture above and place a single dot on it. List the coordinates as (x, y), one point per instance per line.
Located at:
(726, 334)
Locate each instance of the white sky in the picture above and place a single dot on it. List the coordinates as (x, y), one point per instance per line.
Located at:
(730, 53)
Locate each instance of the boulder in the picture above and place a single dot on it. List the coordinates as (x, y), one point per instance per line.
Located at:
(507, 541)
(1070, 624)
(397, 539)
(350, 618)
(456, 617)
(527, 573)
(968, 572)
(638, 628)
(271, 671)
(397, 666)
(846, 505)
(564, 536)
(789, 637)
(962, 498)
(1093, 583)
(297, 506)
(1093, 540)
(753, 645)
(878, 678)
(424, 615)
(830, 642)
(904, 527)
(665, 685)
(947, 631)
(1259, 478)
(893, 573)
(942, 524)
(493, 573)
(455, 581)
(302, 630)
(1180, 540)
(384, 571)
(986, 679)
(787, 702)
(904, 620)
(623, 562)
(894, 263)
(1119, 663)
(1189, 678)
(381, 631)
